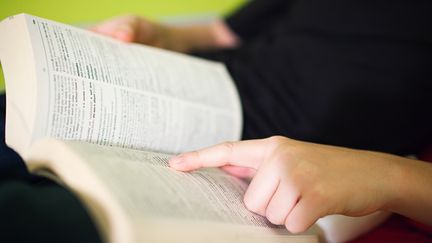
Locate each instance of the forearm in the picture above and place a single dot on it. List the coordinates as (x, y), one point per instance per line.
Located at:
(413, 185)
(295, 183)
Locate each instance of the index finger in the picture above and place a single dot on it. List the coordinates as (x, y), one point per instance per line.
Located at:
(248, 153)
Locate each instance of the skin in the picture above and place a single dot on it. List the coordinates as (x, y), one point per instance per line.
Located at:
(295, 183)
(130, 28)
(292, 183)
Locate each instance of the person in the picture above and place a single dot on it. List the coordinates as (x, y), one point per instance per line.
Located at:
(36, 209)
(340, 72)
(347, 73)
(344, 73)
(295, 183)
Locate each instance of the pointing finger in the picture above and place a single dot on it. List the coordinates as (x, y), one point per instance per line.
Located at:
(249, 153)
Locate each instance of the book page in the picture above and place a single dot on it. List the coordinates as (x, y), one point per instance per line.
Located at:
(95, 89)
(19, 69)
(136, 197)
(147, 187)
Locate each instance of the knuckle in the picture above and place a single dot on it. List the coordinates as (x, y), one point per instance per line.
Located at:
(276, 147)
(193, 155)
(250, 204)
(193, 158)
(276, 140)
(295, 228)
(280, 161)
(274, 217)
(228, 147)
(196, 155)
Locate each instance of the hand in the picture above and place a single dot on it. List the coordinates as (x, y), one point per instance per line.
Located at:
(130, 28)
(295, 183)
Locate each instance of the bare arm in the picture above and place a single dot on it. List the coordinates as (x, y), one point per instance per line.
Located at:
(413, 185)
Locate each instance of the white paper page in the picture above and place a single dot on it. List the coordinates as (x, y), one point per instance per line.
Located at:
(99, 90)
(147, 188)
(16, 57)
(135, 197)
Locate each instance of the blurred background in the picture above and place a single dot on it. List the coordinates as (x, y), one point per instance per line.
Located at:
(87, 12)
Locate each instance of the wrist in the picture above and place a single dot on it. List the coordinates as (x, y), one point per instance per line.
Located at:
(399, 179)
(413, 183)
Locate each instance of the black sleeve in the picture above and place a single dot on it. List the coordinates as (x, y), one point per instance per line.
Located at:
(44, 212)
(34, 209)
(256, 17)
(348, 73)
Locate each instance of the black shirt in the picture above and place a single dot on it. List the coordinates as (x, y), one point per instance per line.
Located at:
(342, 72)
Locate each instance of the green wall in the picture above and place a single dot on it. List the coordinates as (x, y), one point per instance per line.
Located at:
(91, 11)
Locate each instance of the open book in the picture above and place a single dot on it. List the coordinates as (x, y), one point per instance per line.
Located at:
(103, 117)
